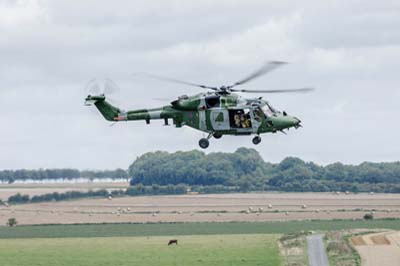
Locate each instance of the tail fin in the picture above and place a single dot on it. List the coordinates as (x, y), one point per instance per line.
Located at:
(108, 111)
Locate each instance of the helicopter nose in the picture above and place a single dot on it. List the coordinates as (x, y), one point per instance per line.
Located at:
(285, 122)
(297, 122)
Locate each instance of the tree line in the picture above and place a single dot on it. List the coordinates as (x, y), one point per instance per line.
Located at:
(134, 190)
(246, 170)
(10, 176)
(138, 190)
(55, 196)
(243, 170)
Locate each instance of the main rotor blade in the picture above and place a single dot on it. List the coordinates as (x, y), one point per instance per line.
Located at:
(176, 81)
(301, 90)
(269, 66)
(162, 99)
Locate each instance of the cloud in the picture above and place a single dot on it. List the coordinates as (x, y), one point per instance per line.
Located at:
(50, 49)
(15, 14)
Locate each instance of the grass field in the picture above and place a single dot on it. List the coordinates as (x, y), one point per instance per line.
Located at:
(173, 229)
(192, 250)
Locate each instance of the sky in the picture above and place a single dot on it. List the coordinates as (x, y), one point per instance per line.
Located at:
(348, 50)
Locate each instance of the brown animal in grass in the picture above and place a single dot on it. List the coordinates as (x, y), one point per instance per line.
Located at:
(173, 241)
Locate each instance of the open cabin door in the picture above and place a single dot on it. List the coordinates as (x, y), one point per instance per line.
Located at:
(244, 120)
(240, 120)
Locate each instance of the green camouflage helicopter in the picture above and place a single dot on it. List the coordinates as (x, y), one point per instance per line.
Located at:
(217, 112)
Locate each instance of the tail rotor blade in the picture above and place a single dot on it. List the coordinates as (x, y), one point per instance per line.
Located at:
(110, 86)
(93, 87)
(99, 86)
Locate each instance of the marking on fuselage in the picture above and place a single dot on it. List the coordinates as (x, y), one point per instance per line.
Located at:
(155, 114)
(202, 120)
(219, 119)
(202, 115)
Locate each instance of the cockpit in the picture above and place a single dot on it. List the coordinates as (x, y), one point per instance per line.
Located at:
(268, 110)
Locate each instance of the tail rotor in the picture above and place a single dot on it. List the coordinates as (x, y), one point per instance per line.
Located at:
(97, 88)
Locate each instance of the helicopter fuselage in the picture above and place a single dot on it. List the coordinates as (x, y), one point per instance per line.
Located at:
(213, 113)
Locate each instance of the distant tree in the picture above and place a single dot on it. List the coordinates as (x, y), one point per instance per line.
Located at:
(244, 184)
(18, 198)
(120, 173)
(12, 222)
(368, 216)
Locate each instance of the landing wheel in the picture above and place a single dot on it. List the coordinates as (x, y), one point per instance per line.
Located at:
(217, 135)
(204, 143)
(256, 140)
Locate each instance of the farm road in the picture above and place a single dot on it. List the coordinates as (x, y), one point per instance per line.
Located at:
(316, 251)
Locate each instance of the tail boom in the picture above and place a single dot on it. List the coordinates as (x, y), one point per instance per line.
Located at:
(115, 114)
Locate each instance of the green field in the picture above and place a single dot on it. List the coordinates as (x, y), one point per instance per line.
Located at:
(219, 244)
(173, 229)
(208, 250)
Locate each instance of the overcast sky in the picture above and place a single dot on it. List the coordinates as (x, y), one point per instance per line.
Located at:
(349, 50)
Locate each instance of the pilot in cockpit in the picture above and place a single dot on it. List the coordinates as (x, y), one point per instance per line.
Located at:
(258, 114)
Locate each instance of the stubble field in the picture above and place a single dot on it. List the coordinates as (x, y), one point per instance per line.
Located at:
(207, 208)
(378, 249)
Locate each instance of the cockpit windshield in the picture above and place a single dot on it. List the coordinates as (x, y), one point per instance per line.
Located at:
(268, 110)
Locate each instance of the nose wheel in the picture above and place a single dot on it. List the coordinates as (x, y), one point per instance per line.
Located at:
(256, 140)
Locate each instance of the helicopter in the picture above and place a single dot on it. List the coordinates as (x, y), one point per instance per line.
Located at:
(218, 111)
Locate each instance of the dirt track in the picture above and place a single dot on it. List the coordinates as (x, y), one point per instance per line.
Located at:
(380, 249)
(204, 208)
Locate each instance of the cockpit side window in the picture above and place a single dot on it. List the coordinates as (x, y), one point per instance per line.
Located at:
(273, 110)
(258, 114)
(267, 111)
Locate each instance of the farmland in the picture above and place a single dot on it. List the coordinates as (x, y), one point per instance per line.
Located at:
(234, 243)
(378, 249)
(252, 207)
(212, 229)
(191, 250)
(177, 229)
